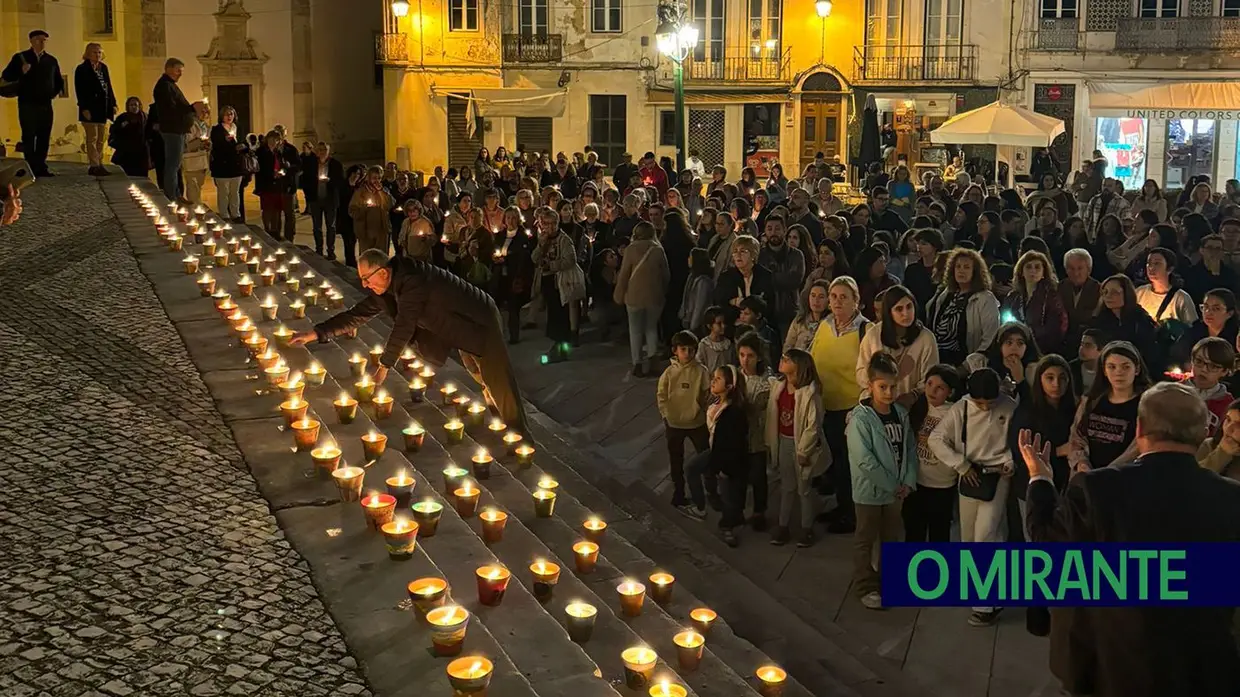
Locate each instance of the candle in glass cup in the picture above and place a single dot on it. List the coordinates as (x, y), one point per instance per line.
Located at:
(277, 373)
(525, 455)
(470, 676)
(632, 596)
(546, 576)
(373, 445)
(482, 464)
(346, 408)
(580, 621)
(544, 503)
(467, 500)
(448, 625)
(661, 585)
(455, 430)
(427, 513)
(293, 386)
(283, 335)
(298, 308)
(206, 285)
(190, 262)
(639, 665)
(314, 374)
(668, 689)
(475, 413)
(415, 436)
(586, 555)
(267, 278)
(689, 647)
(401, 487)
(512, 441)
(400, 536)
(417, 390)
(349, 482)
(771, 680)
(383, 405)
(326, 459)
(446, 394)
(493, 523)
(492, 582)
(427, 593)
(357, 365)
(453, 477)
(365, 389)
(294, 409)
(703, 618)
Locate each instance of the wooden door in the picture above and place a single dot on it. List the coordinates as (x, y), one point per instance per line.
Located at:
(822, 128)
(237, 97)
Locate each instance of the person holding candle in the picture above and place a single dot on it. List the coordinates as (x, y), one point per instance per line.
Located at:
(369, 209)
(439, 312)
(196, 160)
(274, 183)
(417, 235)
(1212, 361)
(796, 444)
(681, 398)
(322, 178)
(227, 165)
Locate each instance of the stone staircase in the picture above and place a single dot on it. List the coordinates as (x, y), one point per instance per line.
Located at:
(365, 590)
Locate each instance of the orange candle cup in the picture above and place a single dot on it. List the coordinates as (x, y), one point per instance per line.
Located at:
(326, 459)
(525, 455)
(357, 366)
(661, 585)
(305, 433)
(448, 626)
(376, 354)
(346, 408)
(365, 389)
(414, 436)
(427, 594)
(493, 522)
(206, 285)
(427, 513)
(482, 465)
(594, 529)
(492, 582)
(703, 618)
(632, 595)
(293, 387)
(689, 647)
(580, 621)
(383, 405)
(428, 376)
(453, 478)
(283, 335)
(668, 689)
(470, 676)
(190, 264)
(294, 409)
(270, 308)
(496, 426)
(460, 403)
(400, 536)
(771, 680)
(314, 374)
(255, 343)
(455, 431)
(546, 576)
(548, 483)
(349, 482)
(242, 324)
(586, 555)
(267, 278)
(373, 445)
(475, 414)
(544, 503)
(245, 286)
(446, 394)
(467, 500)
(639, 665)
(512, 441)
(267, 358)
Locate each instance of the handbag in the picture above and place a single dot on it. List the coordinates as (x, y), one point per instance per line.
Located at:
(571, 283)
(987, 482)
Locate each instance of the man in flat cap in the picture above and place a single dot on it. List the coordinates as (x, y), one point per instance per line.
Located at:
(39, 81)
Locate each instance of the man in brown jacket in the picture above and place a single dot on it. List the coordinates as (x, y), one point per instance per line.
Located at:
(439, 312)
(1080, 294)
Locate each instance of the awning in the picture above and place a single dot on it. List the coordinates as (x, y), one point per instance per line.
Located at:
(516, 101)
(1165, 100)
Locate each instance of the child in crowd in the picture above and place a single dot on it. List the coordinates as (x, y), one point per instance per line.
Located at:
(681, 397)
(729, 448)
(751, 356)
(700, 471)
(1213, 359)
(929, 510)
(882, 452)
(701, 285)
(753, 313)
(716, 350)
(472, 267)
(1085, 366)
(606, 268)
(795, 441)
(1221, 453)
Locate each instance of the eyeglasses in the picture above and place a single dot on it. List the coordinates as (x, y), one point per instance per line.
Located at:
(1200, 364)
(362, 280)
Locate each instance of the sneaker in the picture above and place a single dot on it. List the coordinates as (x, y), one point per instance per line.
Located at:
(715, 501)
(693, 512)
(730, 539)
(872, 601)
(807, 539)
(679, 500)
(984, 619)
(757, 521)
(780, 536)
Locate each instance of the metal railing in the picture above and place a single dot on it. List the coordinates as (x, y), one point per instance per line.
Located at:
(915, 63)
(391, 48)
(533, 48)
(1057, 34)
(739, 65)
(1178, 34)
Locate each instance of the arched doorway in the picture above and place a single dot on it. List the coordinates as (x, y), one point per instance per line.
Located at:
(824, 118)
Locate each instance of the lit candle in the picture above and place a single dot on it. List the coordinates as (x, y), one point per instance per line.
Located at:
(493, 523)
(428, 376)
(190, 263)
(455, 430)
(357, 365)
(293, 386)
(406, 358)
(365, 389)
(292, 284)
(689, 647)
(415, 436)
(255, 343)
(297, 307)
(667, 689)
(252, 263)
(349, 482)
(267, 277)
(208, 248)
(314, 374)
(373, 445)
(453, 476)
(326, 459)
(268, 358)
(661, 585)
(427, 593)
(492, 582)
(548, 483)
(639, 665)
(383, 405)
(580, 621)
(175, 242)
(470, 675)
(226, 306)
(231, 244)
(544, 503)
(245, 285)
(546, 576)
(305, 433)
(206, 285)
(703, 618)
(632, 596)
(346, 408)
(401, 486)
(376, 354)
(448, 625)
(475, 413)
(283, 335)
(771, 681)
(277, 373)
(525, 455)
(294, 409)
(512, 440)
(586, 555)
(417, 390)
(219, 297)
(281, 274)
(269, 308)
(379, 509)
(447, 393)
(310, 297)
(242, 325)
(482, 464)
(427, 512)
(496, 426)
(221, 257)
(242, 254)
(467, 500)
(400, 537)
(460, 404)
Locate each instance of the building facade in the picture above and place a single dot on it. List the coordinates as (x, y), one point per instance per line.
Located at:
(306, 66)
(1151, 84)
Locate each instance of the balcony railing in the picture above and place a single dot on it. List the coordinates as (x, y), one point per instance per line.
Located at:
(1178, 34)
(916, 63)
(391, 48)
(533, 48)
(1057, 34)
(740, 65)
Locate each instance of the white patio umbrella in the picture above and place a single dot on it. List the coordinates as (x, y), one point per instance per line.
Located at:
(1002, 125)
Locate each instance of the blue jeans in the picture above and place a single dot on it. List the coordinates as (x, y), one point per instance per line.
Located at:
(321, 215)
(643, 322)
(700, 480)
(174, 150)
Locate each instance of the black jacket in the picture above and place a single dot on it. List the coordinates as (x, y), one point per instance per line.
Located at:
(42, 83)
(175, 113)
(309, 179)
(1142, 651)
(1182, 350)
(1198, 280)
(271, 161)
(226, 161)
(731, 285)
(1136, 328)
(428, 305)
(92, 95)
(728, 451)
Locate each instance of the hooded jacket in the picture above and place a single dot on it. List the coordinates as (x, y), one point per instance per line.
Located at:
(682, 394)
(877, 472)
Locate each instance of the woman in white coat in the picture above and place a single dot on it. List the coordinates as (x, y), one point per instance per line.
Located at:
(795, 441)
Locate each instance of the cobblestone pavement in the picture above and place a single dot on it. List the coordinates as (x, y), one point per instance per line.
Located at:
(139, 557)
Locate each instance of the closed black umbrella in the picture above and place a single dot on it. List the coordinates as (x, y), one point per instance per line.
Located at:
(871, 148)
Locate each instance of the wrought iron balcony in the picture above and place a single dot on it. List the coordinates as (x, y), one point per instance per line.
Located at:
(915, 63)
(1194, 34)
(740, 65)
(391, 49)
(1057, 34)
(533, 48)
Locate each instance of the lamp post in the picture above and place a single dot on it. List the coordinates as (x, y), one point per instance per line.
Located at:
(823, 8)
(400, 8)
(675, 38)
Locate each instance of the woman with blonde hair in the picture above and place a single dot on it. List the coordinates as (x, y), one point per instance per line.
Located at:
(964, 315)
(96, 103)
(1035, 301)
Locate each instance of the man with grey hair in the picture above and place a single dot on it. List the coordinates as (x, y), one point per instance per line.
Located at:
(438, 311)
(1163, 497)
(175, 118)
(1079, 292)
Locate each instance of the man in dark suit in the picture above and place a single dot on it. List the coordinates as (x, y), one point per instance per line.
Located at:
(1165, 496)
(439, 312)
(322, 179)
(39, 82)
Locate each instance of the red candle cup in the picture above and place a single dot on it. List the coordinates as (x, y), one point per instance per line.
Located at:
(379, 509)
(492, 582)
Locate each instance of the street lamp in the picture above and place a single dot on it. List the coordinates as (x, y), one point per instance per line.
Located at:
(400, 8)
(675, 38)
(823, 8)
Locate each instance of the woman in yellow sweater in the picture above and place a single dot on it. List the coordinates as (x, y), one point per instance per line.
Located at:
(835, 348)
